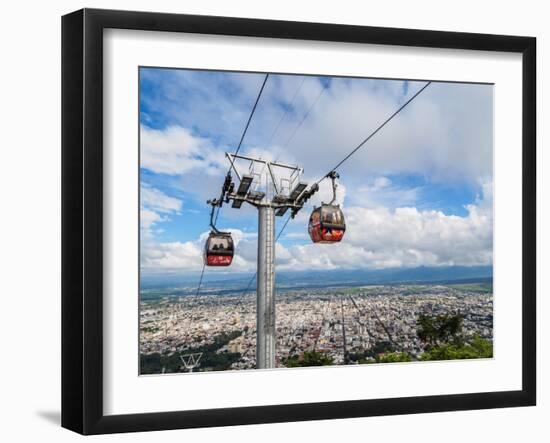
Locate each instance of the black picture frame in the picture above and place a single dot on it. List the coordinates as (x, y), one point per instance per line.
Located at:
(82, 218)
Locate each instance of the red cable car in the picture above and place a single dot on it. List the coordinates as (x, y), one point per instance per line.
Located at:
(326, 223)
(219, 249)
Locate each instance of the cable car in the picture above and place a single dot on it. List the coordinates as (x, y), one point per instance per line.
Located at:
(219, 249)
(327, 223)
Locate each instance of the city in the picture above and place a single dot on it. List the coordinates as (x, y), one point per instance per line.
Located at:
(347, 325)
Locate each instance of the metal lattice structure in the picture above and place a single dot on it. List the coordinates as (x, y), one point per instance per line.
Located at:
(273, 188)
(191, 361)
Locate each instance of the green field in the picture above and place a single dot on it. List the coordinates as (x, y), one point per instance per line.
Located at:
(480, 288)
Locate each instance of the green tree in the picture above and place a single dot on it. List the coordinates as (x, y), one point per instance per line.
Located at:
(393, 357)
(477, 348)
(150, 363)
(483, 347)
(211, 359)
(443, 328)
(308, 358)
(442, 335)
(381, 347)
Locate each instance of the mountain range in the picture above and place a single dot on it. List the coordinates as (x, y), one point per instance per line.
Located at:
(443, 274)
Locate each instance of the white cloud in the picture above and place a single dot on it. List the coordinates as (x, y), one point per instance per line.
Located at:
(445, 135)
(171, 256)
(157, 200)
(383, 193)
(381, 183)
(188, 256)
(155, 208)
(217, 103)
(375, 238)
(175, 151)
(405, 237)
(148, 218)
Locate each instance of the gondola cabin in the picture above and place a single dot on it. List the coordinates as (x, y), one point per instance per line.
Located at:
(219, 249)
(327, 224)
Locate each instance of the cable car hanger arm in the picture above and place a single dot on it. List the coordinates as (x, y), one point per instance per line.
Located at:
(333, 175)
(214, 204)
(218, 202)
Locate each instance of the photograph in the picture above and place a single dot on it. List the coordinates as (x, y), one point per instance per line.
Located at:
(293, 220)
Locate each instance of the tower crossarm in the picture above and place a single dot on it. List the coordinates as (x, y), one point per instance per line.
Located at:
(258, 202)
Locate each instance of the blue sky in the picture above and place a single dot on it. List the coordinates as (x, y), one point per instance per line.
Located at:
(418, 193)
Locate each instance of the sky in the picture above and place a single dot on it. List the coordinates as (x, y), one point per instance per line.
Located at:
(419, 193)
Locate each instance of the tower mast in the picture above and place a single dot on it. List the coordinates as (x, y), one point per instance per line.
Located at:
(288, 193)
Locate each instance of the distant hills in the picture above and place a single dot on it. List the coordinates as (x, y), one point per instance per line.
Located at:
(422, 274)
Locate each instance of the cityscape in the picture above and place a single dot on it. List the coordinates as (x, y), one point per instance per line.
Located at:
(314, 326)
